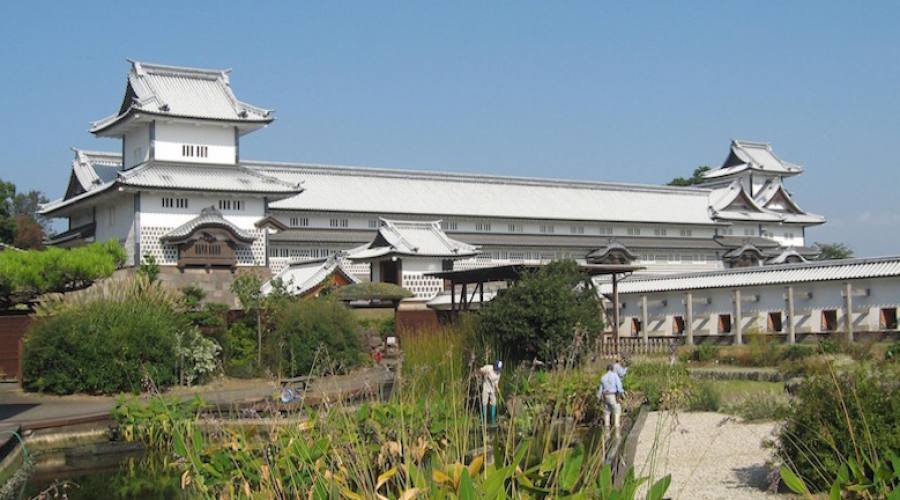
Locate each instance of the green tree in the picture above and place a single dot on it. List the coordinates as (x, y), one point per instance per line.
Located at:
(26, 274)
(247, 288)
(833, 251)
(550, 314)
(693, 180)
(316, 333)
(7, 212)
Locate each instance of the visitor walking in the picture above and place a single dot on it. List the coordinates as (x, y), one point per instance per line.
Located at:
(620, 367)
(489, 389)
(608, 393)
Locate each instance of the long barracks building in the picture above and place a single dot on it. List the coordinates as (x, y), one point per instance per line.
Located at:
(178, 189)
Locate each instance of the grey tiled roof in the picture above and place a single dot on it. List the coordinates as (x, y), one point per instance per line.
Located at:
(412, 238)
(182, 92)
(826, 270)
(209, 217)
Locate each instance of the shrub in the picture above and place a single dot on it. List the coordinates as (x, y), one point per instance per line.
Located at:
(839, 416)
(552, 314)
(104, 347)
(320, 332)
(765, 406)
(198, 356)
(704, 397)
(665, 386)
(892, 353)
(239, 348)
(796, 351)
(706, 352)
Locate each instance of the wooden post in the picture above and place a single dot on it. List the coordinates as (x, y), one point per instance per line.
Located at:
(689, 318)
(792, 334)
(644, 319)
(463, 297)
(452, 298)
(615, 288)
(736, 327)
(848, 311)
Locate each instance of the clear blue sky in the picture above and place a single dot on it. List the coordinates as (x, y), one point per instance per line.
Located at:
(616, 91)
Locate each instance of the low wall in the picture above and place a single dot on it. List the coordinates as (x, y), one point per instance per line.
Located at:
(13, 326)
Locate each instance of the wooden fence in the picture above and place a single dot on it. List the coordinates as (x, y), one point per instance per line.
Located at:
(12, 331)
(637, 345)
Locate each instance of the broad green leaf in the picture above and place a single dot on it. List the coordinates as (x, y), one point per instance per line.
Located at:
(466, 488)
(475, 465)
(793, 481)
(659, 488)
(571, 469)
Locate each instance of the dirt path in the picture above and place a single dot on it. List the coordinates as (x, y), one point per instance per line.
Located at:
(710, 455)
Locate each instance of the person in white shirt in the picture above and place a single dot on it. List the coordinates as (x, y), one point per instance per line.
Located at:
(610, 389)
(619, 367)
(489, 389)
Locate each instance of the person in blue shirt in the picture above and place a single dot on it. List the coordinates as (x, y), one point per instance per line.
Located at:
(610, 389)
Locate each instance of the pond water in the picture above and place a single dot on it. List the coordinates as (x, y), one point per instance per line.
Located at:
(106, 470)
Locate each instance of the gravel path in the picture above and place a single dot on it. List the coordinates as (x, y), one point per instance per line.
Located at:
(710, 455)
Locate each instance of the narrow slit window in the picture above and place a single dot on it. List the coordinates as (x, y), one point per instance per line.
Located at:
(829, 320)
(678, 325)
(775, 323)
(889, 318)
(724, 323)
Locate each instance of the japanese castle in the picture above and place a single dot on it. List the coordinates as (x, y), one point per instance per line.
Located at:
(178, 189)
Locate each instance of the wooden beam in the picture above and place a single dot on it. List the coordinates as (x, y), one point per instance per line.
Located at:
(615, 287)
(689, 317)
(736, 327)
(791, 324)
(848, 311)
(644, 319)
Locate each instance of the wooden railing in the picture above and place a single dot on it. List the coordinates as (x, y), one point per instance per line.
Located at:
(637, 345)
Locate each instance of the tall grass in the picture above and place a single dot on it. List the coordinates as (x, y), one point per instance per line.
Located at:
(429, 440)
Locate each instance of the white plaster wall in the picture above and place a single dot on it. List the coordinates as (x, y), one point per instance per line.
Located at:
(156, 221)
(154, 214)
(137, 146)
(81, 218)
(171, 136)
(810, 299)
(115, 221)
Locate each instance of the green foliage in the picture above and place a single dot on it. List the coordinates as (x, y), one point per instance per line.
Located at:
(239, 349)
(197, 355)
(664, 386)
(104, 347)
(154, 421)
(760, 407)
(387, 292)
(833, 251)
(7, 213)
(320, 332)
(704, 397)
(839, 416)
(552, 314)
(696, 178)
(149, 268)
(893, 352)
(870, 479)
(28, 274)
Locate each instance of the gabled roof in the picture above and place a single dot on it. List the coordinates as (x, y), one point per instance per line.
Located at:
(789, 255)
(181, 92)
(775, 198)
(209, 217)
(750, 155)
(733, 203)
(823, 270)
(601, 253)
(302, 276)
(395, 191)
(412, 239)
(95, 172)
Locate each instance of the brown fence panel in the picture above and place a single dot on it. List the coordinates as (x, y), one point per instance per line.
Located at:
(12, 331)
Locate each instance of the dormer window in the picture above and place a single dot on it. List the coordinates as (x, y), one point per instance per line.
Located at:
(194, 151)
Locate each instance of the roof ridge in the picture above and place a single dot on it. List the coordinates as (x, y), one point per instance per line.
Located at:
(461, 176)
(769, 268)
(140, 66)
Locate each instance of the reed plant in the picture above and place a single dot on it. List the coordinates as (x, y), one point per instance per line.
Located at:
(429, 440)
